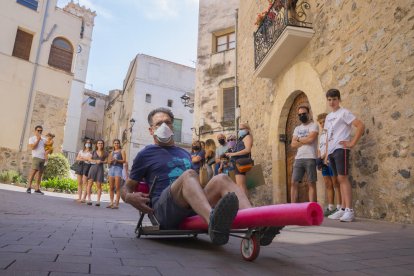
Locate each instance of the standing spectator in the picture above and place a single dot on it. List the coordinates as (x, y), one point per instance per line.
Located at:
(37, 145)
(116, 161)
(339, 125)
(84, 165)
(203, 145)
(221, 149)
(331, 185)
(305, 140)
(197, 156)
(210, 156)
(242, 149)
(96, 172)
(231, 142)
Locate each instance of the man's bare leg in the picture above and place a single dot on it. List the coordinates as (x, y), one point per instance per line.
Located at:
(31, 176)
(187, 192)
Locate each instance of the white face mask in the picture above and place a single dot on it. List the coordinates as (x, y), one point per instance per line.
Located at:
(163, 133)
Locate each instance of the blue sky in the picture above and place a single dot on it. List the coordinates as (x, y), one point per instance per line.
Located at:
(166, 29)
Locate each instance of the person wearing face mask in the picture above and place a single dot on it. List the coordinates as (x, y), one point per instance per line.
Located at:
(177, 193)
(84, 165)
(221, 149)
(197, 156)
(242, 149)
(305, 140)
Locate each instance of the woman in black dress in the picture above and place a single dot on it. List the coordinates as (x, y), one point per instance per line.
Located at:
(96, 172)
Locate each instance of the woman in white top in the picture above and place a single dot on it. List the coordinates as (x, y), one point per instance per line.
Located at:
(83, 156)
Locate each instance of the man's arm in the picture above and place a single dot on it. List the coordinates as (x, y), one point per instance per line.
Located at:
(360, 128)
(295, 144)
(138, 200)
(309, 139)
(35, 144)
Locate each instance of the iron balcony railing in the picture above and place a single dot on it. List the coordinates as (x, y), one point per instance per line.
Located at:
(281, 14)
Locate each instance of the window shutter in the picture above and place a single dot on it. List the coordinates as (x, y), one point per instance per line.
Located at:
(61, 55)
(228, 104)
(22, 44)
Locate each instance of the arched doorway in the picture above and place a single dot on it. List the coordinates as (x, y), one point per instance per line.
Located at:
(291, 123)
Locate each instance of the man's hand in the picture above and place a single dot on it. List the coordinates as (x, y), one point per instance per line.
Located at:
(139, 201)
(347, 144)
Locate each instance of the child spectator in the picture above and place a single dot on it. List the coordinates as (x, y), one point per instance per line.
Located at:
(331, 185)
(48, 145)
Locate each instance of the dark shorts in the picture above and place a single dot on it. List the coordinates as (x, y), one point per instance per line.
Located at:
(339, 161)
(327, 171)
(168, 213)
(236, 171)
(301, 166)
(38, 164)
(84, 169)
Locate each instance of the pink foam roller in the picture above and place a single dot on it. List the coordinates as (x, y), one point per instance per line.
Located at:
(303, 214)
(142, 187)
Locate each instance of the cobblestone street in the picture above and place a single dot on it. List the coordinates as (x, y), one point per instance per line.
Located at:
(53, 235)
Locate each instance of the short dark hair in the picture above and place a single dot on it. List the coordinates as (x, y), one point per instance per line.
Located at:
(332, 93)
(158, 110)
(305, 107)
(38, 126)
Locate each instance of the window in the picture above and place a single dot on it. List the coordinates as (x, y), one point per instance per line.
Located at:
(228, 105)
(148, 98)
(169, 103)
(22, 44)
(90, 129)
(225, 42)
(31, 4)
(61, 54)
(92, 101)
(177, 129)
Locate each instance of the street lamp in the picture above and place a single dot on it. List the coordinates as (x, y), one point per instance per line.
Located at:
(132, 122)
(186, 100)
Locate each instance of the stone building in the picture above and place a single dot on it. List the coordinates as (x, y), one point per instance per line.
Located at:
(215, 98)
(38, 68)
(150, 83)
(299, 51)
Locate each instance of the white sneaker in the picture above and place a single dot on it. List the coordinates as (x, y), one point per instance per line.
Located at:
(348, 216)
(337, 215)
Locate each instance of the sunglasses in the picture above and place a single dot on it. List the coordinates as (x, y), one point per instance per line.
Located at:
(228, 140)
(39, 130)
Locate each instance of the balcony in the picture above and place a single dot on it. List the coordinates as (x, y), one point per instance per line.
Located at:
(282, 34)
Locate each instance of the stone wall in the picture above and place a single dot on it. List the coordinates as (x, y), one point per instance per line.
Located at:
(48, 111)
(365, 49)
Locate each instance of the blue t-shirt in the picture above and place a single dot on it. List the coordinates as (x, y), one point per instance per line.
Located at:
(197, 166)
(165, 163)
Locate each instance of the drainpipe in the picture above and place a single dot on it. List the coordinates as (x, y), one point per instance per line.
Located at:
(236, 107)
(32, 85)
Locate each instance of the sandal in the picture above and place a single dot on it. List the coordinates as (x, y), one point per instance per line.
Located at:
(221, 219)
(110, 206)
(98, 204)
(89, 203)
(115, 207)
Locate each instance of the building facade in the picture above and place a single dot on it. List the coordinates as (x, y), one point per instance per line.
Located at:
(38, 50)
(215, 99)
(149, 83)
(298, 51)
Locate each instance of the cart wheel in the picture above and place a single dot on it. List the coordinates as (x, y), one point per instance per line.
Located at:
(250, 248)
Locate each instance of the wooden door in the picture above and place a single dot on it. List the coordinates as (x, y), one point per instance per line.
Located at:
(292, 122)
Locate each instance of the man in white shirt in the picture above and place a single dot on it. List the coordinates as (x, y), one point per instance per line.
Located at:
(339, 125)
(37, 145)
(305, 140)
